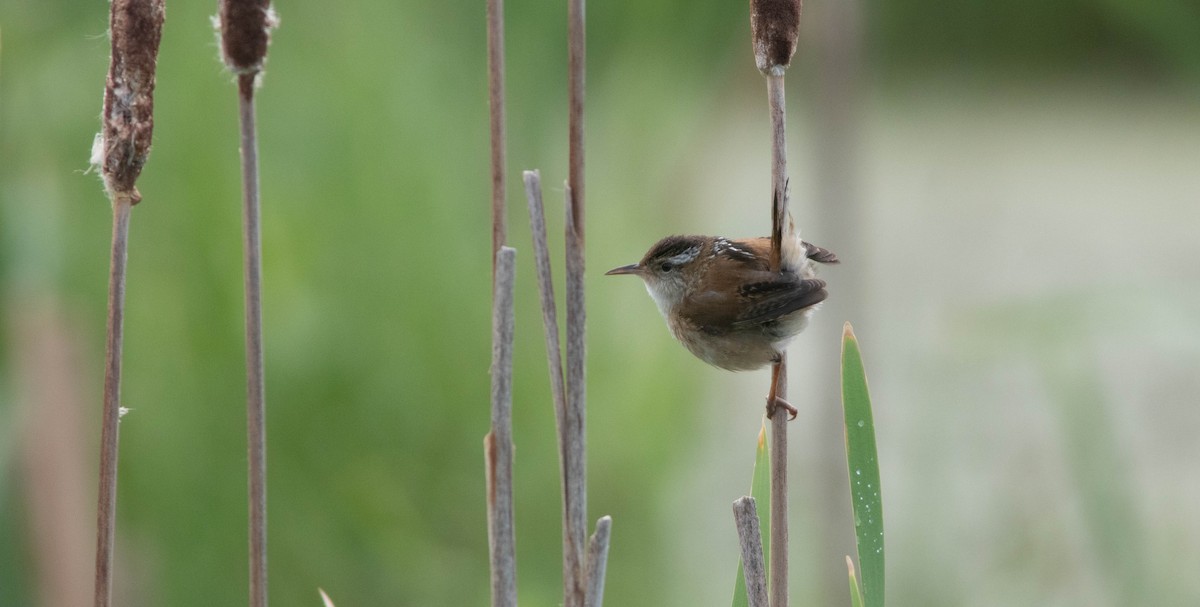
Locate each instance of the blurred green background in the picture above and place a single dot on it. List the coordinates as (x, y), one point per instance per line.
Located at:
(1014, 189)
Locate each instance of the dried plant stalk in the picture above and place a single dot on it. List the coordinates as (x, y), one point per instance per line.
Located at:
(121, 149)
(256, 431)
(597, 562)
(576, 71)
(498, 445)
(495, 37)
(575, 426)
(106, 514)
(775, 29)
(245, 34)
(566, 404)
(745, 514)
(541, 252)
(779, 490)
(575, 464)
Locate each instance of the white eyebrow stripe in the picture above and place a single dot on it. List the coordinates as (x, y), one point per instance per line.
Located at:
(685, 256)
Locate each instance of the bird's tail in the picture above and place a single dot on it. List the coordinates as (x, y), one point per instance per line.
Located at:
(785, 238)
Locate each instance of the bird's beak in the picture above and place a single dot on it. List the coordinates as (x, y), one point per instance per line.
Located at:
(632, 268)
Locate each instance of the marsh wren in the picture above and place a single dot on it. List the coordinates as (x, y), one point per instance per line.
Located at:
(722, 301)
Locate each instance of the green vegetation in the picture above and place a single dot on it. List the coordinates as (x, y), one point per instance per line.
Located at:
(373, 140)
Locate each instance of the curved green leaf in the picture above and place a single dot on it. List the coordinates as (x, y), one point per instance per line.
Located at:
(863, 464)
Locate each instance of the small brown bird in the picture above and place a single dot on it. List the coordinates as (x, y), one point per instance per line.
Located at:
(722, 301)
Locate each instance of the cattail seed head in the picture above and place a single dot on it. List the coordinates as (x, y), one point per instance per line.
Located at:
(127, 121)
(775, 27)
(245, 27)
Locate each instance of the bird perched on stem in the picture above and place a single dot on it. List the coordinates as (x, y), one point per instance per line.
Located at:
(722, 301)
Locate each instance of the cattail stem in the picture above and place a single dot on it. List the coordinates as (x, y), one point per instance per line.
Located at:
(541, 253)
(779, 490)
(495, 40)
(576, 66)
(779, 200)
(575, 426)
(575, 464)
(779, 204)
(498, 444)
(110, 430)
(745, 514)
(120, 151)
(597, 562)
(256, 434)
(245, 35)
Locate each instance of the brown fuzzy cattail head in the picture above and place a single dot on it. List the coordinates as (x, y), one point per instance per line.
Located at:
(127, 122)
(245, 33)
(775, 27)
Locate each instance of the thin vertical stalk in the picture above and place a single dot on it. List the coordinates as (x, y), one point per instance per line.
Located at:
(779, 492)
(120, 151)
(745, 514)
(575, 428)
(774, 29)
(779, 499)
(495, 39)
(245, 35)
(541, 253)
(779, 201)
(498, 445)
(106, 511)
(576, 66)
(256, 433)
(575, 465)
(597, 562)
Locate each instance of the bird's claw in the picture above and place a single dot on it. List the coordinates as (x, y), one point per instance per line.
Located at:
(776, 404)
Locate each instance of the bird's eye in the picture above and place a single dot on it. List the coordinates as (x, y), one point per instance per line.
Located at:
(667, 266)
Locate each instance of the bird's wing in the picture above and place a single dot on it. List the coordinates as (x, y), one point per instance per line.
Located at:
(720, 310)
(712, 311)
(771, 299)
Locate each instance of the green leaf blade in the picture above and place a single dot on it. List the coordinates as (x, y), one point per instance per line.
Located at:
(863, 465)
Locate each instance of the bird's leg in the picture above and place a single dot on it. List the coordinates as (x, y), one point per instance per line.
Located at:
(774, 403)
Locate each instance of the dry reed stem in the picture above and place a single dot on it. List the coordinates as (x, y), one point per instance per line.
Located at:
(779, 194)
(779, 493)
(498, 445)
(575, 428)
(256, 432)
(495, 40)
(106, 514)
(779, 213)
(597, 562)
(541, 252)
(245, 36)
(745, 514)
(127, 127)
(576, 66)
(575, 465)
(568, 420)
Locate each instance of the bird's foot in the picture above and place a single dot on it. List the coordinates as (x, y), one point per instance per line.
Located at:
(775, 404)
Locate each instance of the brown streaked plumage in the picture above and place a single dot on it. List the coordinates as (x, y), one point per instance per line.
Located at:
(722, 301)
